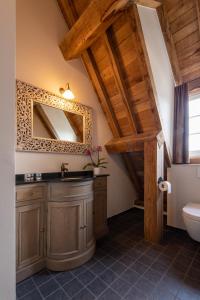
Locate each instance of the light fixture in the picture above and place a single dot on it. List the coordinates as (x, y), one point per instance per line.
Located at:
(67, 93)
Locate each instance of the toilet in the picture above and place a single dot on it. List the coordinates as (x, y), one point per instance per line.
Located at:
(191, 217)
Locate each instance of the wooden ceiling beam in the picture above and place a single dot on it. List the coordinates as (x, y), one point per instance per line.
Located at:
(130, 143)
(169, 41)
(68, 11)
(70, 16)
(98, 16)
(102, 94)
(123, 91)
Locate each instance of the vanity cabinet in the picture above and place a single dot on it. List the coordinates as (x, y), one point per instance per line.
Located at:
(100, 206)
(70, 237)
(30, 230)
(54, 226)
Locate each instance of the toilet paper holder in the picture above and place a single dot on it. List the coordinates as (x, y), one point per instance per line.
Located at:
(160, 179)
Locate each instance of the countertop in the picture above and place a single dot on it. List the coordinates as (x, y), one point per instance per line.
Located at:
(56, 177)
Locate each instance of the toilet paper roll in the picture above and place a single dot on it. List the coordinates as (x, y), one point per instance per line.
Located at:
(165, 186)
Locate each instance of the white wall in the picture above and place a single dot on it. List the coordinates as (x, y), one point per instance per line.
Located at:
(7, 134)
(40, 28)
(161, 69)
(185, 188)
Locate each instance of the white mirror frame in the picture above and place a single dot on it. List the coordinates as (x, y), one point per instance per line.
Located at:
(25, 95)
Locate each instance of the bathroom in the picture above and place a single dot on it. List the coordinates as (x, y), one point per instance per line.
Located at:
(38, 27)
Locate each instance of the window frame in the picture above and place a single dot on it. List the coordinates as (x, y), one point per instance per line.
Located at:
(194, 155)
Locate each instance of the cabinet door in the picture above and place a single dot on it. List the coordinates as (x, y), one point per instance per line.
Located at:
(64, 229)
(89, 221)
(30, 234)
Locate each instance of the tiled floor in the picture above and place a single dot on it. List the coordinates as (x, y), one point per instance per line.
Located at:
(126, 267)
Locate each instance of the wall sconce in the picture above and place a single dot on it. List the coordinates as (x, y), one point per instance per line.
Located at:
(67, 93)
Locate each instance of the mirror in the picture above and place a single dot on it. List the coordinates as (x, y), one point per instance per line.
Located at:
(48, 123)
(57, 124)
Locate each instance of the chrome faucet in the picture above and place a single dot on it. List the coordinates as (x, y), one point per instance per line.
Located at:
(64, 169)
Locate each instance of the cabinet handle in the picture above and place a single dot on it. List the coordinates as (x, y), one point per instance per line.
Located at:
(83, 227)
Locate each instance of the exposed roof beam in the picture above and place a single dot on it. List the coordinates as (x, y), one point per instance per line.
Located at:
(170, 44)
(130, 143)
(108, 38)
(97, 17)
(103, 96)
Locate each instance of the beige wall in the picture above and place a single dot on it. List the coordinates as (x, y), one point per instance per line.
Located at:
(40, 28)
(7, 134)
(161, 69)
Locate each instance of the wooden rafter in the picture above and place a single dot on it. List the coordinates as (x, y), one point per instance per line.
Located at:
(143, 53)
(98, 16)
(119, 79)
(170, 44)
(104, 99)
(71, 16)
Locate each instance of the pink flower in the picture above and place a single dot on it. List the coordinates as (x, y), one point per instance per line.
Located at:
(99, 148)
(88, 152)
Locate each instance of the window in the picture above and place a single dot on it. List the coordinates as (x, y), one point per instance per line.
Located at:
(194, 126)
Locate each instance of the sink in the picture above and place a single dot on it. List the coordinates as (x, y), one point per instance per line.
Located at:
(72, 178)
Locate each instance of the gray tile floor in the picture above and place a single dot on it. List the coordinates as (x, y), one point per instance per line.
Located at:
(126, 267)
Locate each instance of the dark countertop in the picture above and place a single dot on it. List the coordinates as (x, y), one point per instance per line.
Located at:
(56, 177)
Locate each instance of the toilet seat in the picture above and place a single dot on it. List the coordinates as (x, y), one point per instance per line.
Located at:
(192, 211)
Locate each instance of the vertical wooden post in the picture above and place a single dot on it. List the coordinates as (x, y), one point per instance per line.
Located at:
(153, 198)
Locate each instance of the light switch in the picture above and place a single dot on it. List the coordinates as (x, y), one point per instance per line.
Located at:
(198, 172)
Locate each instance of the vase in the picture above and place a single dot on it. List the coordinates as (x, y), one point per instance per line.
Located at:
(96, 171)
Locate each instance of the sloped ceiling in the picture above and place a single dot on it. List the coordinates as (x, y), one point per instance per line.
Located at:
(180, 20)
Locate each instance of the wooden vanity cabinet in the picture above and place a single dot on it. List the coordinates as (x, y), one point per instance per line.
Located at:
(70, 237)
(30, 229)
(54, 226)
(100, 206)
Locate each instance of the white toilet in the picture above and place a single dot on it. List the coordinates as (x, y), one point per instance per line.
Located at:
(191, 217)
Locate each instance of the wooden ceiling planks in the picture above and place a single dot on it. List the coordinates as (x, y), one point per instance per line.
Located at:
(180, 22)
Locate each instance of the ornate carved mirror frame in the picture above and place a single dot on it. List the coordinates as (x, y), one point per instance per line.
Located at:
(26, 94)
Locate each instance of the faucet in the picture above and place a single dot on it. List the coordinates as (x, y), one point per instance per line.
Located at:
(64, 169)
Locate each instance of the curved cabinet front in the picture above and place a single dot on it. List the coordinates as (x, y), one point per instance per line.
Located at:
(70, 237)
